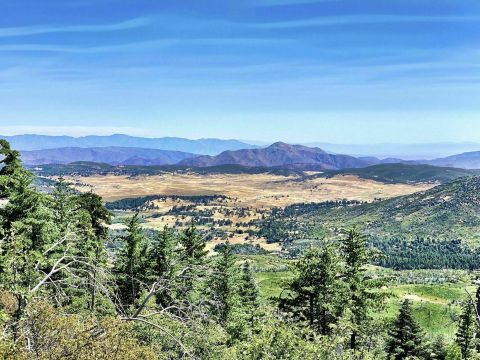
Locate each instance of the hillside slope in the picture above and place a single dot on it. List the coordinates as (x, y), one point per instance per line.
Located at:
(403, 173)
(107, 155)
(468, 160)
(446, 212)
(278, 154)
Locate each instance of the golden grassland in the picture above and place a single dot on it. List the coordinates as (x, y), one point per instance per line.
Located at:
(257, 190)
(249, 198)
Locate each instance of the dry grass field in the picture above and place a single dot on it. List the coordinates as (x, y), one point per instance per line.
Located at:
(249, 199)
(258, 190)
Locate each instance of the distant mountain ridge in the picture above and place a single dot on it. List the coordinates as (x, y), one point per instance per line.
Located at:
(468, 160)
(403, 173)
(276, 155)
(403, 151)
(108, 155)
(32, 142)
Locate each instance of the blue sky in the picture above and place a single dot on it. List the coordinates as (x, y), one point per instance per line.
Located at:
(294, 70)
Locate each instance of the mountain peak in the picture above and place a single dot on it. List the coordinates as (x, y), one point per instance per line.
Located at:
(280, 144)
(276, 155)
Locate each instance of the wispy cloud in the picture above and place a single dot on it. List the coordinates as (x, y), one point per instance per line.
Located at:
(364, 19)
(140, 45)
(47, 29)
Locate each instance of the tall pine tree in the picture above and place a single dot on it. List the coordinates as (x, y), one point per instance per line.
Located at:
(131, 263)
(248, 293)
(360, 298)
(192, 257)
(467, 330)
(316, 289)
(405, 336)
(221, 286)
(163, 264)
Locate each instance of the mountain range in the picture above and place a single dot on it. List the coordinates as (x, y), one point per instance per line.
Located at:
(200, 146)
(403, 151)
(276, 155)
(108, 155)
(129, 150)
(468, 160)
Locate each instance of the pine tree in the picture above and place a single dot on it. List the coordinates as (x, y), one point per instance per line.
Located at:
(439, 349)
(467, 330)
(64, 206)
(316, 289)
(27, 229)
(360, 298)
(249, 295)
(131, 262)
(93, 249)
(405, 336)
(192, 256)
(221, 286)
(12, 174)
(162, 259)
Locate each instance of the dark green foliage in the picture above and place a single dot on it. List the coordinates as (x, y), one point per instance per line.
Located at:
(193, 257)
(421, 253)
(361, 297)
(316, 290)
(64, 205)
(85, 168)
(405, 173)
(132, 263)
(445, 212)
(140, 203)
(221, 286)
(405, 336)
(242, 249)
(439, 349)
(163, 260)
(94, 249)
(468, 329)
(249, 295)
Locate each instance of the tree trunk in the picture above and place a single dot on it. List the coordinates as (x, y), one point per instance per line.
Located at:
(353, 340)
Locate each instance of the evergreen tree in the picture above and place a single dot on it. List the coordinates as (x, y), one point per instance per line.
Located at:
(405, 337)
(64, 206)
(221, 286)
(12, 174)
(439, 349)
(163, 265)
(27, 231)
(249, 295)
(131, 262)
(93, 248)
(316, 289)
(467, 330)
(192, 256)
(361, 297)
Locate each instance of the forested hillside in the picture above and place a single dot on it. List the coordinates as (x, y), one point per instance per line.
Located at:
(71, 288)
(446, 212)
(404, 173)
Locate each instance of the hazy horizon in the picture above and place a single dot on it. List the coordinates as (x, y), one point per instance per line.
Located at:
(251, 141)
